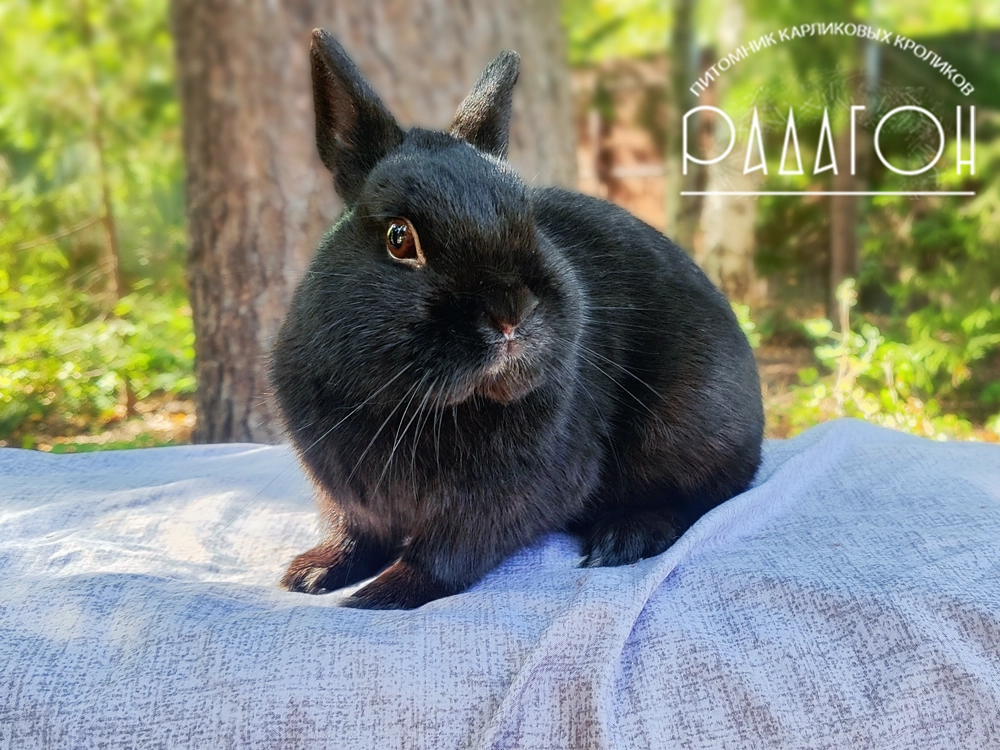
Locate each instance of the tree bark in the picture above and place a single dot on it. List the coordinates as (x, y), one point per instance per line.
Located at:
(681, 210)
(727, 241)
(843, 222)
(258, 199)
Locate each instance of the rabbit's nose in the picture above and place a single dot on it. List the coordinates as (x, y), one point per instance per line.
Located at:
(505, 325)
(508, 321)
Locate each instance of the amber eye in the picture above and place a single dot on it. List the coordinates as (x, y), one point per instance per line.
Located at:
(402, 242)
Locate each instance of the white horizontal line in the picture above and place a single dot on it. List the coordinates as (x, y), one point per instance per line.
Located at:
(828, 192)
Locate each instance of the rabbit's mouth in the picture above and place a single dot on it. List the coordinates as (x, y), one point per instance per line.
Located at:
(509, 356)
(507, 387)
(508, 377)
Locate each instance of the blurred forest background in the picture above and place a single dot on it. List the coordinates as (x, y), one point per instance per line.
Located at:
(880, 307)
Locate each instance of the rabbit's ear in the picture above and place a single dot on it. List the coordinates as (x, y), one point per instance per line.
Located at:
(483, 119)
(354, 130)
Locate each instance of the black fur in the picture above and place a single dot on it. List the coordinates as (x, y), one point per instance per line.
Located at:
(624, 404)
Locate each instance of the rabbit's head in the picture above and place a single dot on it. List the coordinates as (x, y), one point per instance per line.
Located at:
(436, 278)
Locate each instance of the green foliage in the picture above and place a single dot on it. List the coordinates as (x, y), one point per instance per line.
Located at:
(748, 327)
(870, 377)
(939, 264)
(597, 29)
(929, 277)
(930, 269)
(79, 83)
(62, 368)
(87, 106)
(143, 440)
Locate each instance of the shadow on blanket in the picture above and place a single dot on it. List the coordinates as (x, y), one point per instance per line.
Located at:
(851, 598)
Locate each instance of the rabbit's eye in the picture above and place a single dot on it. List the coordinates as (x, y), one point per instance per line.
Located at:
(403, 244)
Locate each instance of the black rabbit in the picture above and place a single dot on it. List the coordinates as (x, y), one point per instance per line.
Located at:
(471, 363)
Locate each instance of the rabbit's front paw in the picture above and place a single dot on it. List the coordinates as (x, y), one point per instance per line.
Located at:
(315, 572)
(400, 586)
(334, 565)
(623, 537)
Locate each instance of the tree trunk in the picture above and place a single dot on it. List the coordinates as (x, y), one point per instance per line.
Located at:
(843, 222)
(258, 199)
(727, 241)
(844, 208)
(681, 216)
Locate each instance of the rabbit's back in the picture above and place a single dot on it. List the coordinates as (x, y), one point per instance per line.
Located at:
(662, 356)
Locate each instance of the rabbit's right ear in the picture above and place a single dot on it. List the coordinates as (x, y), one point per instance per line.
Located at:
(354, 130)
(483, 118)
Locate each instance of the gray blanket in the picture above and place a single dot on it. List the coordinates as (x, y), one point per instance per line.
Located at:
(851, 599)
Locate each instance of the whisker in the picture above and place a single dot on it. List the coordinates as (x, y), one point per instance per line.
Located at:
(607, 428)
(620, 367)
(626, 390)
(438, 421)
(311, 446)
(379, 432)
(399, 437)
(419, 428)
(420, 425)
(630, 309)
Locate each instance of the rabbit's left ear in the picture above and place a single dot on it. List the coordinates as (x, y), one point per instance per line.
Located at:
(483, 119)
